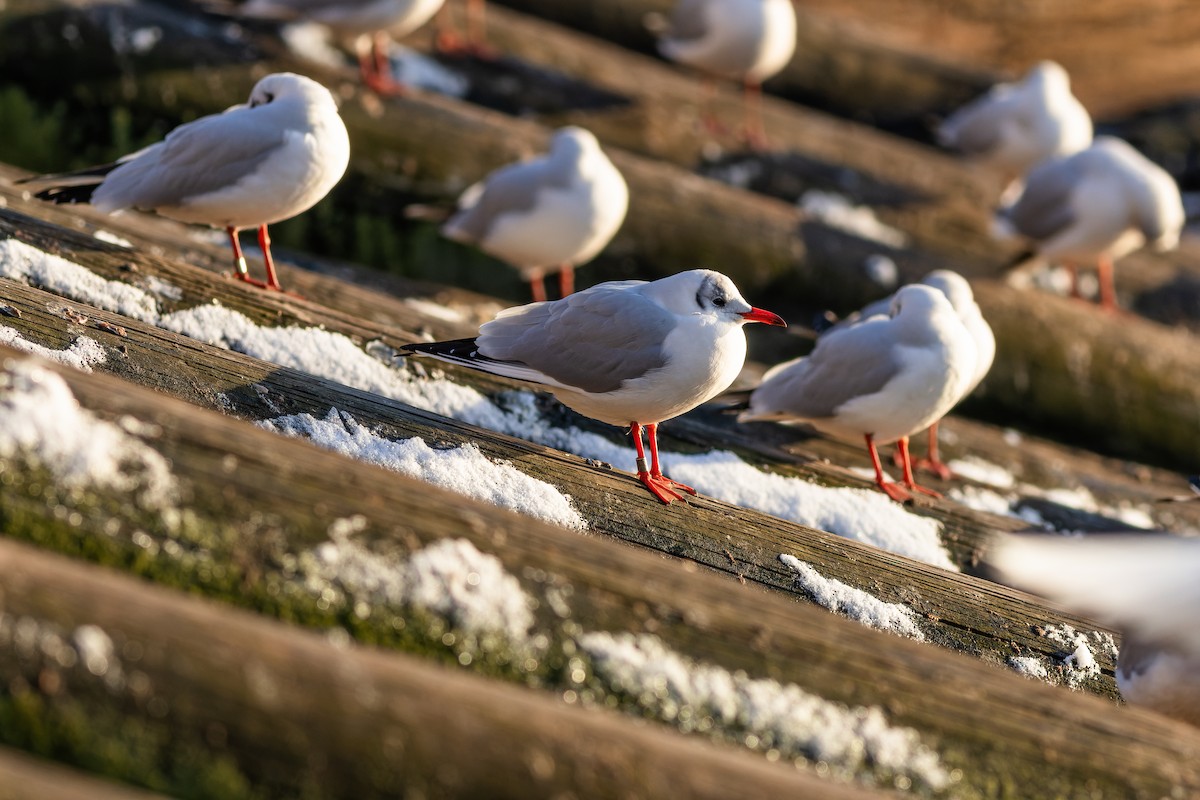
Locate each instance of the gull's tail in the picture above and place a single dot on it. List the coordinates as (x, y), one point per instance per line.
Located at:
(69, 187)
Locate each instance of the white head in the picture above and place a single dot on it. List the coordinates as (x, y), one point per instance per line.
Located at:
(572, 142)
(1048, 77)
(954, 286)
(289, 87)
(703, 291)
(918, 301)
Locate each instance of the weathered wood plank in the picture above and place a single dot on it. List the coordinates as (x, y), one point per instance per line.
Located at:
(352, 722)
(1010, 736)
(25, 778)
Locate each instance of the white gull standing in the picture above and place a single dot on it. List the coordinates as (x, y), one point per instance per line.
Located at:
(1145, 585)
(549, 213)
(1096, 206)
(628, 353)
(882, 379)
(958, 291)
(744, 40)
(249, 167)
(367, 23)
(1016, 126)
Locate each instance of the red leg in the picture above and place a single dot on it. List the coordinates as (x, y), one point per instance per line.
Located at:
(657, 485)
(932, 463)
(753, 131)
(1074, 270)
(449, 41)
(892, 490)
(537, 286)
(908, 475)
(1108, 291)
(708, 119)
(655, 469)
(264, 242)
(566, 280)
(377, 70)
(240, 271)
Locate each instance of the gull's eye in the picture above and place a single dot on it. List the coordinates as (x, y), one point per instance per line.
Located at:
(719, 302)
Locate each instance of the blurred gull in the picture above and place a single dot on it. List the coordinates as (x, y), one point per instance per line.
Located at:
(549, 213)
(958, 291)
(1016, 126)
(745, 40)
(629, 353)
(248, 167)
(1096, 206)
(368, 23)
(1144, 585)
(882, 379)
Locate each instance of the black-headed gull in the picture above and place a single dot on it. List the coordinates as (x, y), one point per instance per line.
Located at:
(882, 379)
(745, 40)
(368, 23)
(1016, 126)
(628, 353)
(1094, 207)
(958, 291)
(549, 213)
(1146, 586)
(249, 167)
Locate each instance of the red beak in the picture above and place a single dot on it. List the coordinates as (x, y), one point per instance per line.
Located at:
(766, 317)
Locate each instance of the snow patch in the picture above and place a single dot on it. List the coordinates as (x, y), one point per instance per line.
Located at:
(1029, 666)
(982, 471)
(764, 714)
(464, 470)
(451, 578)
(429, 308)
(1080, 663)
(21, 262)
(41, 420)
(82, 354)
(422, 72)
(112, 238)
(856, 604)
(839, 212)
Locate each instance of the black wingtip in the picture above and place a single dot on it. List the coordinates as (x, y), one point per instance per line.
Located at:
(453, 348)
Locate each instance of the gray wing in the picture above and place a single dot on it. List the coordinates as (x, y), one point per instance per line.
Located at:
(688, 21)
(1045, 206)
(294, 9)
(974, 128)
(513, 188)
(204, 156)
(594, 340)
(845, 364)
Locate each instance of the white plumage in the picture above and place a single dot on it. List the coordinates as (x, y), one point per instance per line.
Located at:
(550, 213)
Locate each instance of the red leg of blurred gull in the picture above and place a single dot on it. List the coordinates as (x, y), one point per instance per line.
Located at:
(659, 485)
(240, 271)
(892, 490)
(908, 475)
(932, 463)
(448, 41)
(537, 286)
(376, 69)
(753, 131)
(566, 280)
(1108, 291)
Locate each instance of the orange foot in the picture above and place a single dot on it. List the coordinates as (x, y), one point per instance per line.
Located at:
(933, 467)
(895, 491)
(930, 492)
(664, 488)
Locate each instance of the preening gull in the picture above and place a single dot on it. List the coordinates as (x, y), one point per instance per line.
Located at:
(882, 379)
(368, 23)
(248, 167)
(1096, 206)
(1016, 126)
(628, 353)
(549, 213)
(744, 40)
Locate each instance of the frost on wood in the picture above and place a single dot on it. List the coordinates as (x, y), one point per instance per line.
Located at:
(41, 421)
(763, 714)
(82, 354)
(854, 603)
(464, 469)
(1079, 660)
(450, 579)
(27, 264)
